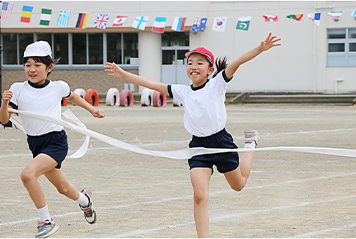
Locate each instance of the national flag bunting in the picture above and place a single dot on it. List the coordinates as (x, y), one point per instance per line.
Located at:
(26, 14)
(101, 21)
(140, 22)
(178, 24)
(243, 23)
(82, 20)
(6, 10)
(119, 21)
(354, 14)
(270, 18)
(199, 24)
(45, 16)
(315, 17)
(334, 14)
(296, 17)
(63, 18)
(159, 24)
(219, 24)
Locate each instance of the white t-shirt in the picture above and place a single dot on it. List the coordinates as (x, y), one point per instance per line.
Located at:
(43, 99)
(204, 106)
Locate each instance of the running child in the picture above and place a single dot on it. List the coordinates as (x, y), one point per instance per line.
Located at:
(47, 141)
(205, 118)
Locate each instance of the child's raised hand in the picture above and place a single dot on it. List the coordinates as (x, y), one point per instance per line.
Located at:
(115, 69)
(6, 96)
(269, 42)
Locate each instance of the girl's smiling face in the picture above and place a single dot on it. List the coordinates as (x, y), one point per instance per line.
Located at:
(198, 69)
(37, 72)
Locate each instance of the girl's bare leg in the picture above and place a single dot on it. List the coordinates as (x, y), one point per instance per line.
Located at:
(200, 178)
(237, 178)
(41, 164)
(60, 181)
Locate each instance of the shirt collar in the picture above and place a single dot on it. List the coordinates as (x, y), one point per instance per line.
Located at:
(39, 86)
(199, 87)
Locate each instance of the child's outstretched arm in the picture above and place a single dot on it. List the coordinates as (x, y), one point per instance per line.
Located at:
(76, 99)
(139, 80)
(249, 55)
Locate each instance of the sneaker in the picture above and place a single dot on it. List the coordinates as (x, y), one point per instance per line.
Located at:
(251, 136)
(89, 211)
(46, 228)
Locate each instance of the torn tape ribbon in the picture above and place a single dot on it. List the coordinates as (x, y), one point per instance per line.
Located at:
(176, 154)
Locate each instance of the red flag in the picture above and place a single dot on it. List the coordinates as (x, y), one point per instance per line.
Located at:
(270, 18)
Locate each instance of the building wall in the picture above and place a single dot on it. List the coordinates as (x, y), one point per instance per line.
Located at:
(299, 65)
(86, 79)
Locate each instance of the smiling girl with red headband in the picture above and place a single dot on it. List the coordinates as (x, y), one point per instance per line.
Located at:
(205, 118)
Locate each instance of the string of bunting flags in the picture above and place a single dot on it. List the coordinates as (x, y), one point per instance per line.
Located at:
(159, 24)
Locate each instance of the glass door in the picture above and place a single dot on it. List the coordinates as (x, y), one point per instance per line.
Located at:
(174, 65)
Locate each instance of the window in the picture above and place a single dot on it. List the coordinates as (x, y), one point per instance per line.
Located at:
(79, 48)
(75, 49)
(9, 47)
(95, 48)
(341, 47)
(60, 48)
(175, 39)
(114, 47)
(13, 46)
(24, 40)
(130, 48)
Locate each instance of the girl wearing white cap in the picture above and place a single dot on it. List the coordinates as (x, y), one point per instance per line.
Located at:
(47, 141)
(205, 118)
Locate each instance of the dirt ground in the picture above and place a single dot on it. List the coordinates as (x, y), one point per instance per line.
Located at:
(288, 194)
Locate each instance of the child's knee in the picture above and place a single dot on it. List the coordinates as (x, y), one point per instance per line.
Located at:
(26, 176)
(200, 196)
(63, 189)
(237, 187)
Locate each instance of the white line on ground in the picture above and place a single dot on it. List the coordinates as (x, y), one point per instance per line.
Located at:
(191, 196)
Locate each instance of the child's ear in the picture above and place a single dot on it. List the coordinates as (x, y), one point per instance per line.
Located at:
(49, 68)
(210, 70)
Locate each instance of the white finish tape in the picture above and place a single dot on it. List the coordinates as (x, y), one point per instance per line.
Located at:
(176, 154)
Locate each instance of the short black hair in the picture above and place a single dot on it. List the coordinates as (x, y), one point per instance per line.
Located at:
(47, 60)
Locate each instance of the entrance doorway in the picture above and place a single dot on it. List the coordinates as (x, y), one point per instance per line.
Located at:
(174, 46)
(174, 65)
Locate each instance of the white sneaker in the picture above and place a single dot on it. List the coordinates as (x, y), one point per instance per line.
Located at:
(89, 211)
(46, 228)
(252, 137)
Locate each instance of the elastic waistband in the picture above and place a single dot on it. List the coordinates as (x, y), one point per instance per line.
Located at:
(223, 131)
(47, 134)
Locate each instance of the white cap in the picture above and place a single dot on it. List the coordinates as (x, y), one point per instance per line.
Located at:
(38, 48)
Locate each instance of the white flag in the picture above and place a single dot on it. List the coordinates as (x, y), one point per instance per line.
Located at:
(219, 24)
(140, 22)
(119, 21)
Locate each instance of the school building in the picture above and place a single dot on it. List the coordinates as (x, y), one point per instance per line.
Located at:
(312, 59)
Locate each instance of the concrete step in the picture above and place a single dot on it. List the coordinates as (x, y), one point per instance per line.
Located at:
(248, 98)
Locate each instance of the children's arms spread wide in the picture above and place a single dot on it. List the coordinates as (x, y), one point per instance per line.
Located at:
(139, 80)
(249, 55)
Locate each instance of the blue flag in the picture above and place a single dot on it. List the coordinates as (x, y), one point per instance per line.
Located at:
(199, 24)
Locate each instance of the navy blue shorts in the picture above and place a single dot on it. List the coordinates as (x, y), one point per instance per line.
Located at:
(225, 162)
(54, 144)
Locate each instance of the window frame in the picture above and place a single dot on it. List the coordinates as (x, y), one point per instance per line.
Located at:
(70, 65)
(346, 53)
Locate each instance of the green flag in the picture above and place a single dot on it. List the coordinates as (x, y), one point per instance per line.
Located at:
(45, 16)
(243, 23)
